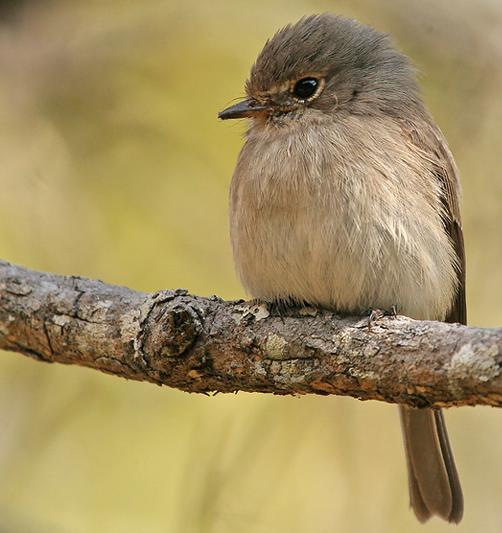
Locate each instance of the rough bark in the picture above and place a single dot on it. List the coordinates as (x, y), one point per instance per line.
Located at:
(206, 344)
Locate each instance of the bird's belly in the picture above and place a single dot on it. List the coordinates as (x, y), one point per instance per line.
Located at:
(311, 224)
(336, 261)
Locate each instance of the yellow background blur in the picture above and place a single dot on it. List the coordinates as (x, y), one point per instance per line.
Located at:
(113, 165)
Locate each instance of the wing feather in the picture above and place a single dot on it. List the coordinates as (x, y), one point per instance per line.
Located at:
(428, 137)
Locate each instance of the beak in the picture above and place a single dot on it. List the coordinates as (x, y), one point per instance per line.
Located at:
(246, 108)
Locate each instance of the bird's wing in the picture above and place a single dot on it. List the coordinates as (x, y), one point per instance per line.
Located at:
(430, 139)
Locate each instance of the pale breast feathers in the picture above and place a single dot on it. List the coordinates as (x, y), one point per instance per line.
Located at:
(379, 239)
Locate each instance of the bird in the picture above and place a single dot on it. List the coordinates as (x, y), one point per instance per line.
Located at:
(345, 196)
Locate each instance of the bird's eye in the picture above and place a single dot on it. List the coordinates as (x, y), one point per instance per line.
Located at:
(305, 88)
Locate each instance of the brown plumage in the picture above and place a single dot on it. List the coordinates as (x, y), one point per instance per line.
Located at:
(345, 196)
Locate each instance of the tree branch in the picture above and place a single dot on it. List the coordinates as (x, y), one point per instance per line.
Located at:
(205, 344)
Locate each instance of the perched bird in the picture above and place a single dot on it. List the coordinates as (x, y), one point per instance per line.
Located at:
(345, 196)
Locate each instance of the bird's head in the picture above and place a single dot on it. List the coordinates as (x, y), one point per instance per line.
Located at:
(324, 65)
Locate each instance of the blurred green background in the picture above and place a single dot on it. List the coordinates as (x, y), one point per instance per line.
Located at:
(114, 166)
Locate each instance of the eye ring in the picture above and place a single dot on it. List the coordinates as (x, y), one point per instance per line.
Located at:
(306, 88)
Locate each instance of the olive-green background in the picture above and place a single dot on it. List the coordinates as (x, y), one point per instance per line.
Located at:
(113, 165)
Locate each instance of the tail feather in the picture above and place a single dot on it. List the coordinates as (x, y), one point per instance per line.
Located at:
(433, 480)
(457, 509)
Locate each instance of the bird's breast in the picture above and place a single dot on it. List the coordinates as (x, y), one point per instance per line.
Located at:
(341, 217)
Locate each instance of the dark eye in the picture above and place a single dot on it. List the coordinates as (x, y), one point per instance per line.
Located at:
(305, 88)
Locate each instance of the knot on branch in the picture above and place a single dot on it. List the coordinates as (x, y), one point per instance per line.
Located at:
(170, 329)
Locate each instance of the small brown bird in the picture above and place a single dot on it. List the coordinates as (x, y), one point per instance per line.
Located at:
(346, 196)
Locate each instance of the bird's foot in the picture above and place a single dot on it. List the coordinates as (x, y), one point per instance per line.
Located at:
(375, 314)
(283, 308)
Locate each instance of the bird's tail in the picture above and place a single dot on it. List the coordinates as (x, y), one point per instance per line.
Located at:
(432, 476)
